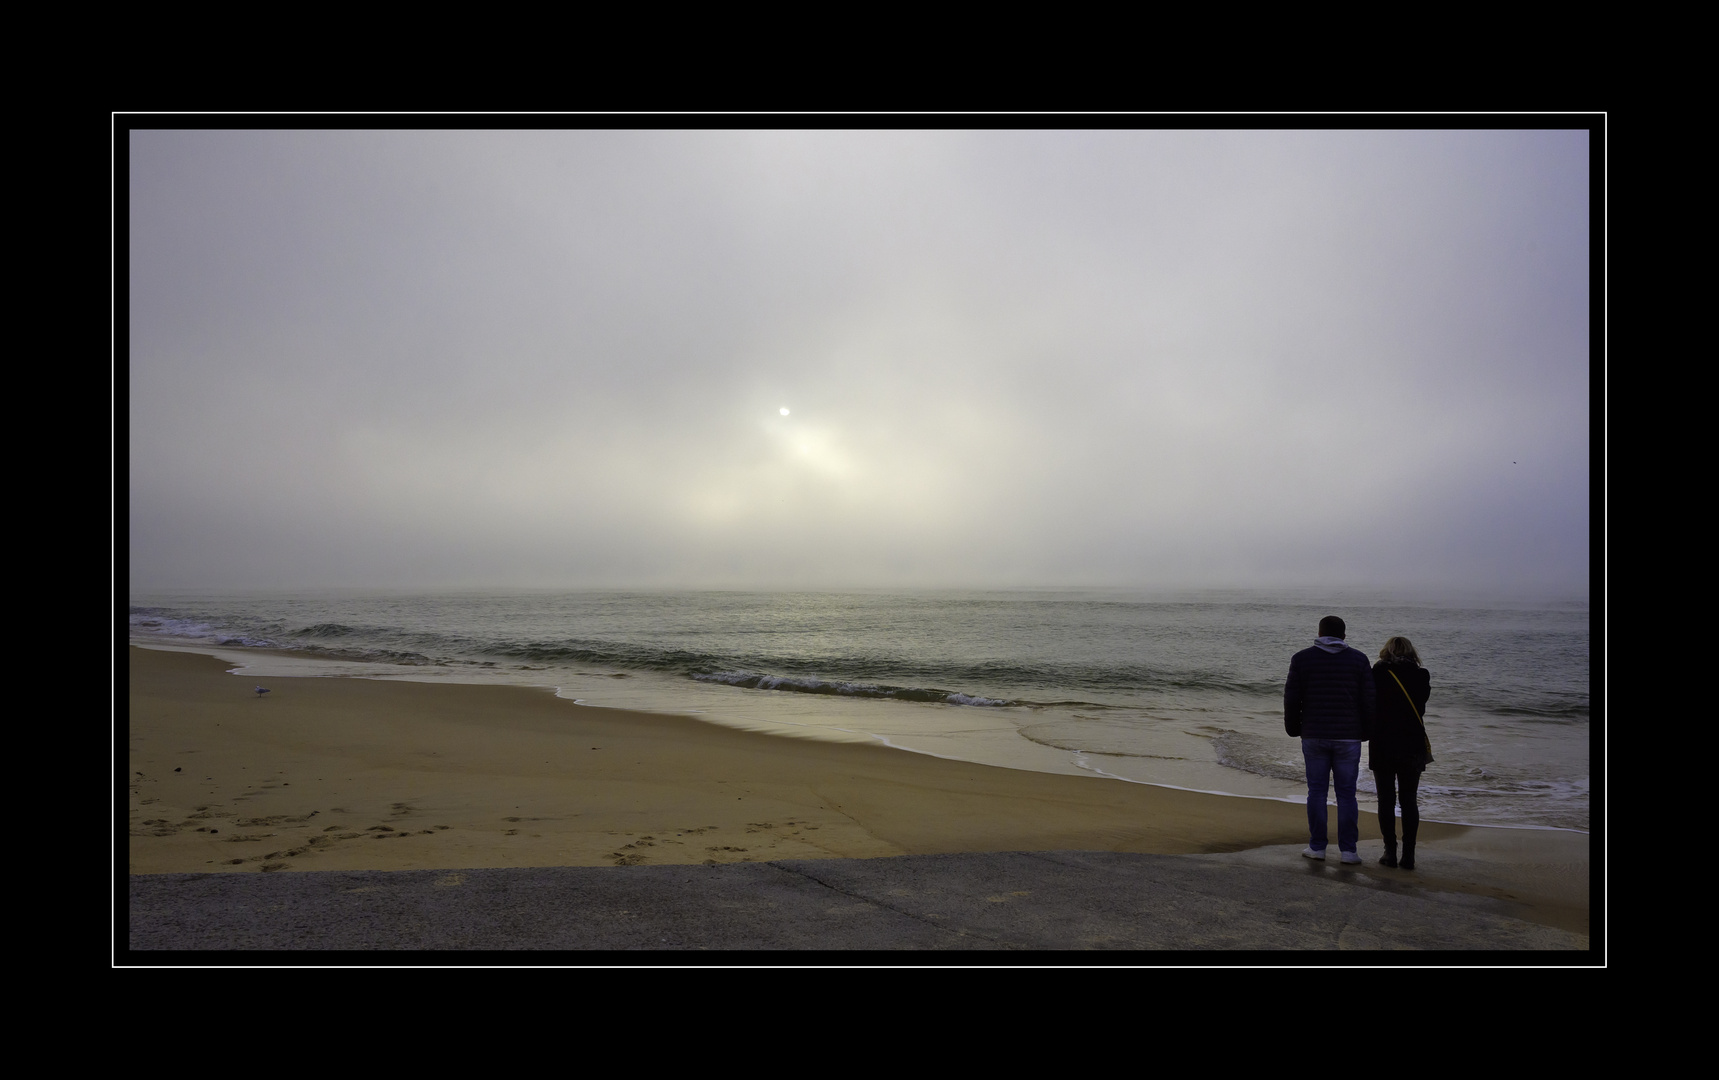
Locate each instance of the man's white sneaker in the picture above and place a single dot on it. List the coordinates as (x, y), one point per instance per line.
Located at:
(1351, 857)
(1311, 854)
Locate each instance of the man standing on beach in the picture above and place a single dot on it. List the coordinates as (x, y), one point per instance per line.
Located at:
(1328, 702)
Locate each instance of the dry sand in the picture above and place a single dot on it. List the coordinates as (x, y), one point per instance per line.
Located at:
(351, 774)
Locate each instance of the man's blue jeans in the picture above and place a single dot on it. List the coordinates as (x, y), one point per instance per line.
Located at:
(1327, 758)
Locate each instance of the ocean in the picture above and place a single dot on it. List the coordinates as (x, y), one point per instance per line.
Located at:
(1181, 689)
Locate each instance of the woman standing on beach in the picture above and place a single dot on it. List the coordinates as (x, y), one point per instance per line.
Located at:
(1400, 748)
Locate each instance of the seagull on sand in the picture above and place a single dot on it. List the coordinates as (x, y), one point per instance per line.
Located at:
(261, 691)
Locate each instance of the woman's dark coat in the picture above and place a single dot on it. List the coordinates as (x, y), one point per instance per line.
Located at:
(1399, 742)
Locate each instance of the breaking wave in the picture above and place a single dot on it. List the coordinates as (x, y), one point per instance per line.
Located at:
(750, 681)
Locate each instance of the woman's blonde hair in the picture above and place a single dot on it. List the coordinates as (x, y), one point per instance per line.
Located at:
(1399, 648)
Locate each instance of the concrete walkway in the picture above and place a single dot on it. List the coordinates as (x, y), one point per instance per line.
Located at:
(1265, 899)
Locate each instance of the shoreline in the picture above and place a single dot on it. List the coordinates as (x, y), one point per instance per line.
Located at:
(245, 657)
(357, 774)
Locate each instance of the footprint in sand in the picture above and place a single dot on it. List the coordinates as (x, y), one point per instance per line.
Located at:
(278, 819)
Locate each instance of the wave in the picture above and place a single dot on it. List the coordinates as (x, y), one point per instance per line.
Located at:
(331, 629)
(1568, 714)
(865, 675)
(751, 681)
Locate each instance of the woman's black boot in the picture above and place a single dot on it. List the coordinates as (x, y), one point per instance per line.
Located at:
(1390, 858)
(1407, 862)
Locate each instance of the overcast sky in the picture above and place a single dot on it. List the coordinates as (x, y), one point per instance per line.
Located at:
(1232, 358)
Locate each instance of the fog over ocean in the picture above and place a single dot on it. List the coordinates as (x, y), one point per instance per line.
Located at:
(823, 359)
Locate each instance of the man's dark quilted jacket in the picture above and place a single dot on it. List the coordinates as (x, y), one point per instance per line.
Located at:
(1329, 695)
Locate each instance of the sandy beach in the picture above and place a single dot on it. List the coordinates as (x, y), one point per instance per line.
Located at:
(329, 774)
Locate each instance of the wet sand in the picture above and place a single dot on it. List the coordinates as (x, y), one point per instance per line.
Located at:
(339, 774)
